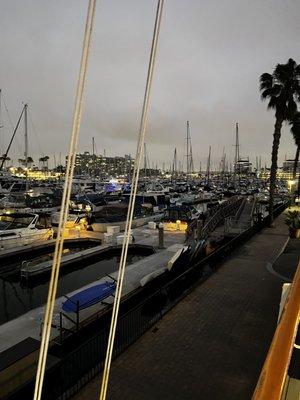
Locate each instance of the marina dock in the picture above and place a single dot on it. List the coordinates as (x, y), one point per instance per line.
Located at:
(211, 345)
(29, 324)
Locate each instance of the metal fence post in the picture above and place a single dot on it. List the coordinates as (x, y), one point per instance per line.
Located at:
(161, 236)
(199, 229)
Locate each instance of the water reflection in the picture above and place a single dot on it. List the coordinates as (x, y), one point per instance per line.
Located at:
(18, 297)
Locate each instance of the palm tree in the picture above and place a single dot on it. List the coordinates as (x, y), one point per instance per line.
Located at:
(29, 161)
(282, 89)
(295, 129)
(44, 161)
(46, 158)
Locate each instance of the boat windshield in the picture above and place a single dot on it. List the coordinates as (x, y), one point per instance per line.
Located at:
(14, 222)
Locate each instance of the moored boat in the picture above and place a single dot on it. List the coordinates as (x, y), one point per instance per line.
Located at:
(21, 229)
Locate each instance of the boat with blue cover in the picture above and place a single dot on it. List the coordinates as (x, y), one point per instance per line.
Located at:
(88, 297)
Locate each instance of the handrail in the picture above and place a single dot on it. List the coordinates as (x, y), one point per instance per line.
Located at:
(254, 206)
(240, 209)
(221, 213)
(273, 375)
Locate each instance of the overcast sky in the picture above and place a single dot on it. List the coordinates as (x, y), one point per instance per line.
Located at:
(211, 54)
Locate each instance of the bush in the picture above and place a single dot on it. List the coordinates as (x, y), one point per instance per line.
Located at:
(293, 219)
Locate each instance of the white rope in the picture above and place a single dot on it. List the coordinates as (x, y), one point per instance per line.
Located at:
(135, 177)
(65, 202)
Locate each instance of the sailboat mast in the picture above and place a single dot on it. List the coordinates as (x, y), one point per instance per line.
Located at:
(237, 150)
(93, 151)
(93, 146)
(26, 144)
(208, 166)
(4, 157)
(1, 124)
(174, 166)
(26, 134)
(187, 146)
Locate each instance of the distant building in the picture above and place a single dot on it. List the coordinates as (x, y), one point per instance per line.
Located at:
(288, 166)
(243, 166)
(86, 163)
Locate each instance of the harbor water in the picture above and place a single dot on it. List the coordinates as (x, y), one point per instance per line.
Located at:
(18, 297)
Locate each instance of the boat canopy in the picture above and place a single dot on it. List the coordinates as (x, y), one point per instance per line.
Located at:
(16, 220)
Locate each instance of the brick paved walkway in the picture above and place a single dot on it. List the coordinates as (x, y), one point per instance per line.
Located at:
(211, 346)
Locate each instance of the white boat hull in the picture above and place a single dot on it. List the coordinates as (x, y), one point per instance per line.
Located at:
(18, 239)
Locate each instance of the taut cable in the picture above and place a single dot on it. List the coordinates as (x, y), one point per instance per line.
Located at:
(65, 203)
(135, 177)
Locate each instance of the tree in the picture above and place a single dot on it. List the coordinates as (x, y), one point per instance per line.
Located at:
(44, 161)
(295, 129)
(29, 160)
(60, 168)
(282, 89)
(22, 161)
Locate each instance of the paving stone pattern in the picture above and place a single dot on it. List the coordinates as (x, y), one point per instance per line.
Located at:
(212, 345)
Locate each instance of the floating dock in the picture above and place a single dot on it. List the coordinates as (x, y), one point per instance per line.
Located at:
(29, 324)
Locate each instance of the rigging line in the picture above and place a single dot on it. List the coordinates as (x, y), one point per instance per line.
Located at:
(11, 123)
(8, 114)
(139, 153)
(65, 202)
(11, 139)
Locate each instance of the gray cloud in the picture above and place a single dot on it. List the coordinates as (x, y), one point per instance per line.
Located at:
(211, 54)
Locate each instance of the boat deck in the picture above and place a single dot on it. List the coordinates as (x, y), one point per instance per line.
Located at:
(213, 343)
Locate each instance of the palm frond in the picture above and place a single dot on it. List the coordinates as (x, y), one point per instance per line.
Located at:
(291, 108)
(266, 81)
(273, 103)
(266, 93)
(277, 89)
(295, 127)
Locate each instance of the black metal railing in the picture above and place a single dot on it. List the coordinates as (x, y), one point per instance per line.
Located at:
(229, 208)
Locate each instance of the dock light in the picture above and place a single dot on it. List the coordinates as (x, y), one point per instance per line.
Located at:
(175, 226)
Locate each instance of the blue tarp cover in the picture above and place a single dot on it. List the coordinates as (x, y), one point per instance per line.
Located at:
(89, 297)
